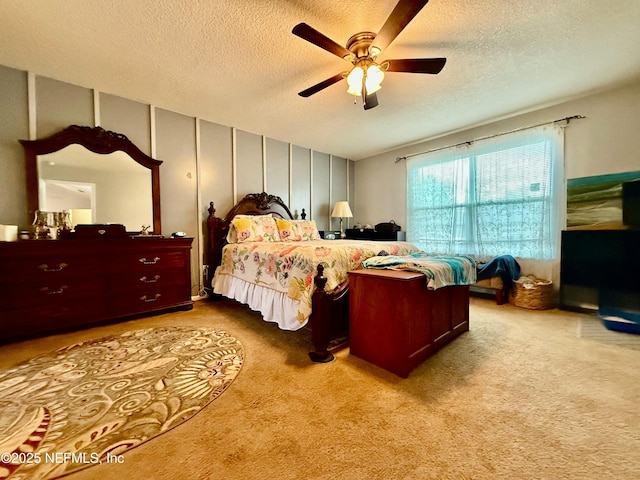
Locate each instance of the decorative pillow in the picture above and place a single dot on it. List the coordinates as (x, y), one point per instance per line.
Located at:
(232, 235)
(253, 228)
(297, 230)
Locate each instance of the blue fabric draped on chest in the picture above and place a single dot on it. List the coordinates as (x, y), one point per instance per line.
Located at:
(505, 266)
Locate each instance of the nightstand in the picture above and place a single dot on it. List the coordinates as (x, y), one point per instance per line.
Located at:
(330, 234)
(360, 233)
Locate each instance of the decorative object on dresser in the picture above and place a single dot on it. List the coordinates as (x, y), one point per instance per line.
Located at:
(90, 402)
(396, 322)
(8, 233)
(98, 272)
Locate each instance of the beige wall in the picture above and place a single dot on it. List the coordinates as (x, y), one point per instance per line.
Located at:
(601, 143)
(202, 161)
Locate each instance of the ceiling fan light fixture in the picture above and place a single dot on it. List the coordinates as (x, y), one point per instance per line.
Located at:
(362, 50)
(373, 79)
(368, 76)
(354, 81)
(374, 51)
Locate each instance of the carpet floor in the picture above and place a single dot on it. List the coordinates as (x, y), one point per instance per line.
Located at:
(519, 396)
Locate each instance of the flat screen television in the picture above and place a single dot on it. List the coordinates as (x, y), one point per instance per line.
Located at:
(631, 204)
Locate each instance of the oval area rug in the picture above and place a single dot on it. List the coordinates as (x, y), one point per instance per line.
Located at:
(87, 403)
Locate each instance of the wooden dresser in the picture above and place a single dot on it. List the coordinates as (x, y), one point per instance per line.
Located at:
(395, 322)
(51, 285)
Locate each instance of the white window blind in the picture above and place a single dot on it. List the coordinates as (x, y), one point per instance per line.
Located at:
(497, 196)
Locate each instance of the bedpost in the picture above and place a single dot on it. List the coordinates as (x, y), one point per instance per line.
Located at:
(319, 320)
(214, 251)
(329, 321)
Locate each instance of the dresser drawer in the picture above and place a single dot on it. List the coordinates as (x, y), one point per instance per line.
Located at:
(151, 277)
(40, 292)
(146, 261)
(49, 317)
(137, 301)
(46, 268)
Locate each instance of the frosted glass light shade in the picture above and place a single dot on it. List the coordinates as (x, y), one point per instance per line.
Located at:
(373, 81)
(354, 81)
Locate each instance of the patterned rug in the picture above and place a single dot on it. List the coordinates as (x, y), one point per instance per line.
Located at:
(87, 403)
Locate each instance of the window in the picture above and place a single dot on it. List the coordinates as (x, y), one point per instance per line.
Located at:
(497, 196)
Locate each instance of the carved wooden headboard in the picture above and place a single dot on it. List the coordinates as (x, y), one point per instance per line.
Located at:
(252, 204)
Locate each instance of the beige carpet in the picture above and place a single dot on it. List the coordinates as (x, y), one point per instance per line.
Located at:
(519, 396)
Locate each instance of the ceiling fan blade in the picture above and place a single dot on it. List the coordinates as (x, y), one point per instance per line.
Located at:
(400, 17)
(311, 35)
(322, 85)
(417, 65)
(370, 101)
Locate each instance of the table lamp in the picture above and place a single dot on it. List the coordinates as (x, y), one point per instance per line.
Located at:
(341, 210)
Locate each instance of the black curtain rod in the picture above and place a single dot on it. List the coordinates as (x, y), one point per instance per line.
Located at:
(565, 119)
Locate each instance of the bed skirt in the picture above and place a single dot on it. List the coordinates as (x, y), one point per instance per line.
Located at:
(274, 306)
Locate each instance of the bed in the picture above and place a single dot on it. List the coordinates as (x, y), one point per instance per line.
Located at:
(296, 283)
(297, 280)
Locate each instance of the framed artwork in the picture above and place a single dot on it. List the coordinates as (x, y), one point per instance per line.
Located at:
(596, 202)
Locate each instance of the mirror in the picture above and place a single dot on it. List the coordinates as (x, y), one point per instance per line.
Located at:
(98, 175)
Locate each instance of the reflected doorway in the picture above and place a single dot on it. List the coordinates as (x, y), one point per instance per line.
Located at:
(59, 195)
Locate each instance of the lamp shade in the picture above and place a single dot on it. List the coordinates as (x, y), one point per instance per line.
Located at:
(342, 210)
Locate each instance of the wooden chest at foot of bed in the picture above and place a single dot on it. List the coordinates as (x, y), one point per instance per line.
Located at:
(396, 322)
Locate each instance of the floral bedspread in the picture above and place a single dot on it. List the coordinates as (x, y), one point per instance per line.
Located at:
(289, 267)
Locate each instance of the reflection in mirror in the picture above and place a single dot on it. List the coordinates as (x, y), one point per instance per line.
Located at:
(108, 185)
(97, 175)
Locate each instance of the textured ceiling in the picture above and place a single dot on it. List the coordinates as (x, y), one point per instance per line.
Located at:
(236, 62)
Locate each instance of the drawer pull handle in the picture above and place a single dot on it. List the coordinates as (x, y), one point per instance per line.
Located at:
(45, 268)
(147, 300)
(150, 280)
(60, 290)
(149, 262)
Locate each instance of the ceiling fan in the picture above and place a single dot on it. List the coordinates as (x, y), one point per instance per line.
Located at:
(362, 49)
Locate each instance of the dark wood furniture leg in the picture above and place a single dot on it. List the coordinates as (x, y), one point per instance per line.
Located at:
(500, 296)
(329, 318)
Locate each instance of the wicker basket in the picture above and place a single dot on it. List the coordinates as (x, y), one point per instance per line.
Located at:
(531, 292)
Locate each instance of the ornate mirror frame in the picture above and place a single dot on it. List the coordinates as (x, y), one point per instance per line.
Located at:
(97, 140)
